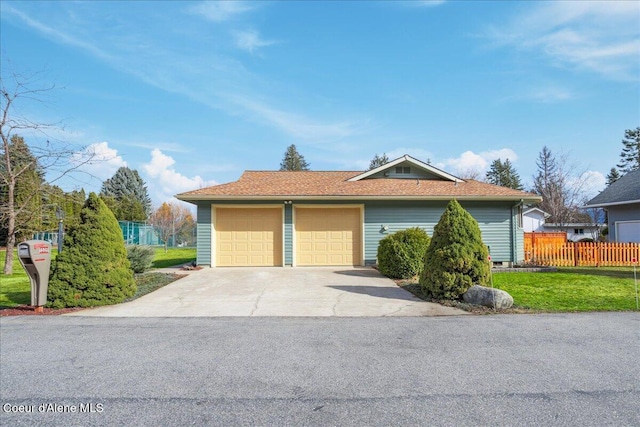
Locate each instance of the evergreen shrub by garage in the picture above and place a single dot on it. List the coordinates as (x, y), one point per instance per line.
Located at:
(456, 258)
(140, 257)
(401, 254)
(93, 268)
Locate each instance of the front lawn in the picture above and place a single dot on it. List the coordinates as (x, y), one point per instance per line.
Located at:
(571, 289)
(15, 289)
(173, 257)
(568, 290)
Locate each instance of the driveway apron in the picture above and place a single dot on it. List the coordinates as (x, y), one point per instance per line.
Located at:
(277, 291)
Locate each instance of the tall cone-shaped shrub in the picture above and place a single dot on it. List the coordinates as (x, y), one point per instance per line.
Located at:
(93, 268)
(457, 258)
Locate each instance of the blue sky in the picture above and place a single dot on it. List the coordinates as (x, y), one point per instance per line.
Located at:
(192, 93)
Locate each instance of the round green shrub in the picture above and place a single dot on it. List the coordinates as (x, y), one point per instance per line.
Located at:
(401, 254)
(93, 268)
(456, 258)
(140, 257)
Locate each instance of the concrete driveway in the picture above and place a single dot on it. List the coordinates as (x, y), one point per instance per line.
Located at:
(275, 291)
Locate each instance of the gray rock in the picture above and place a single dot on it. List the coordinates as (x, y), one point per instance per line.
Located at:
(489, 297)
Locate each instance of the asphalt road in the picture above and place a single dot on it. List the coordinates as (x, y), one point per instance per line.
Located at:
(511, 370)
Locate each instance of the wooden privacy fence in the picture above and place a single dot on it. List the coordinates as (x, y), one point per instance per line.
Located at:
(586, 254)
(537, 239)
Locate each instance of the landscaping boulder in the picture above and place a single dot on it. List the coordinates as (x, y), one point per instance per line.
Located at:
(489, 297)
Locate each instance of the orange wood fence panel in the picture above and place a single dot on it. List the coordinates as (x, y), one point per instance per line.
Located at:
(591, 254)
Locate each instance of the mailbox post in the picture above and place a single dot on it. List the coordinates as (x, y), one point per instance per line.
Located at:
(35, 257)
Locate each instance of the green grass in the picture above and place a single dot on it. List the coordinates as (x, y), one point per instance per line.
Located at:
(15, 289)
(173, 257)
(571, 289)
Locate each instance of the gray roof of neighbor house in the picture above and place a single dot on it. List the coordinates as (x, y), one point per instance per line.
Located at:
(624, 191)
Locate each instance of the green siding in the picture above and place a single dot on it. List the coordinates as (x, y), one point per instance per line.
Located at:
(203, 241)
(494, 220)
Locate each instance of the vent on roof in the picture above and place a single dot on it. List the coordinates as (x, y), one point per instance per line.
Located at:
(403, 170)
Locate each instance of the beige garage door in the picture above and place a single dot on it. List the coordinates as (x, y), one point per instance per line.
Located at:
(327, 236)
(248, 237)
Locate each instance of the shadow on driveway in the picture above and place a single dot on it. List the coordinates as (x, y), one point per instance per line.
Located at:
(377, 291)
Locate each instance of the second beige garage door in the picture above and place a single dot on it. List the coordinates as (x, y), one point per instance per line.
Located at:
(248, 237)
(328, 236)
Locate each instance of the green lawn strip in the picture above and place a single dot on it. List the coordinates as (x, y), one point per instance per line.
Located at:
(173, 257)
(571, 290)
(15, 289)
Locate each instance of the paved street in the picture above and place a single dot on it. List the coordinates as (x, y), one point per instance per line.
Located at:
(510, 370)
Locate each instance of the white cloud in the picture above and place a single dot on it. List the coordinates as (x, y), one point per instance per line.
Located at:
(476, 162)
(165, 182)
(250, 40)
(600, 36)
(98, 160)
(220, 11)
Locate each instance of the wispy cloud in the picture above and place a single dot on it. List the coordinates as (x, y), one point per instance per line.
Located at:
(250, 40)
(211, 77)
(219, 11)
(544, 94)
(296, 125)
(599, 36)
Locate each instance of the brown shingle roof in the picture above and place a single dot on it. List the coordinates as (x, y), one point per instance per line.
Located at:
(335, 185)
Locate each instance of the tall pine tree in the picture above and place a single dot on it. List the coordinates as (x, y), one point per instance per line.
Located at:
(630, 154)
(504, 174)
(613, 176)
(126, 195)
(293, 161)
(378, 161)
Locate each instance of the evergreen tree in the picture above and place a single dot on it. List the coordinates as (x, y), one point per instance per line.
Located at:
(456, 258)
(124, 186)
(630, 154)
(378, 161)
(613, 176)
(504, 174)
(93, 269)
(293, 161)
(27, 202)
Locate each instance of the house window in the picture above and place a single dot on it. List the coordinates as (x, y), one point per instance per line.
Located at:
(578, 231)
(403, 170)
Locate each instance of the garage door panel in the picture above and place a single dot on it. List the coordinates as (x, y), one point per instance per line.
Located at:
(248, 236)
(328, 236)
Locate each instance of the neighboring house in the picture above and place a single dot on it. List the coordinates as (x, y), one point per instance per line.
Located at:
(576, 231)
(621, 200)
(337, 218)
(533, 219)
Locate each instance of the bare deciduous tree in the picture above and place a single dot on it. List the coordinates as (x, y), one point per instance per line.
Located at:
(51, 158)
(169, 220)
